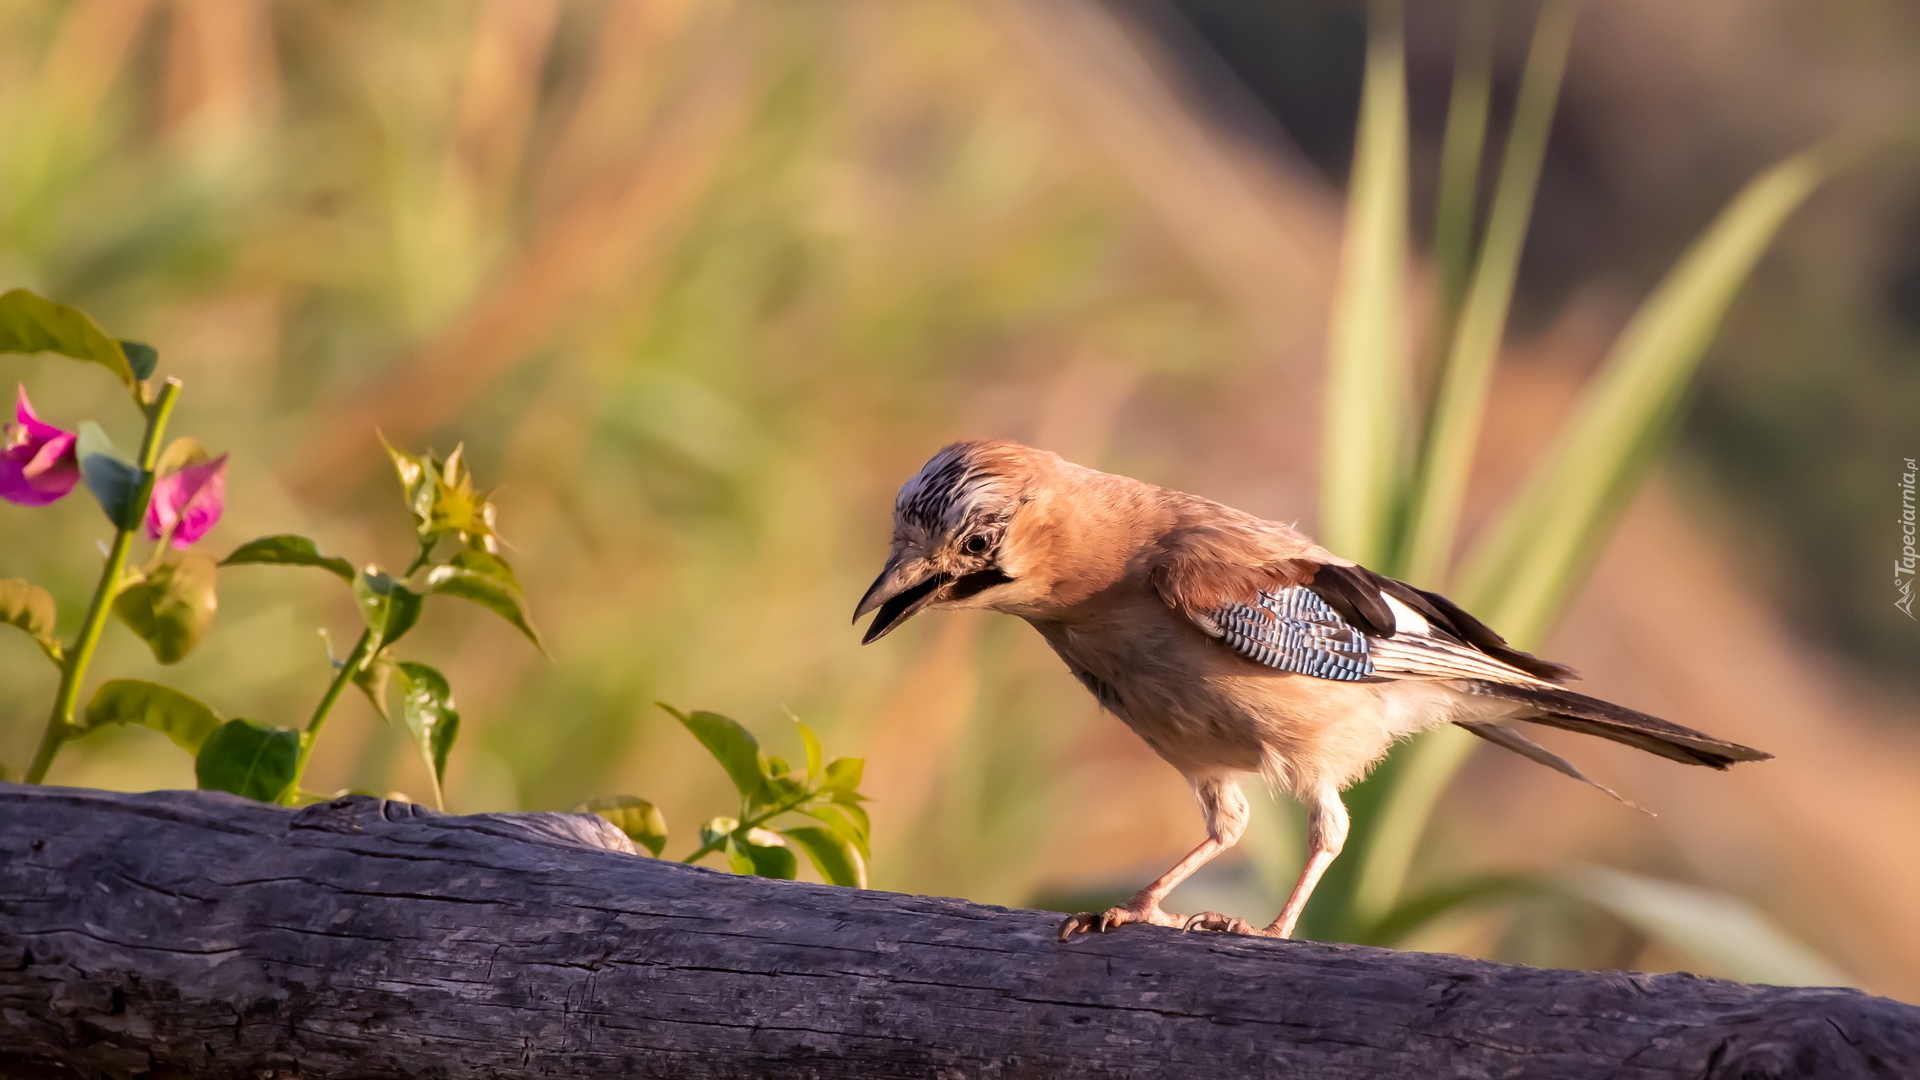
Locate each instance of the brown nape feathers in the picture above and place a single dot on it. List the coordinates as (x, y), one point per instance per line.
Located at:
(1229, 643)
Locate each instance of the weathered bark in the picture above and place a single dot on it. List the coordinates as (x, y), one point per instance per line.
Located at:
(193, 935)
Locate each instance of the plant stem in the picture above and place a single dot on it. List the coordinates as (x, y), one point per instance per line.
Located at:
(712, 846)
(73, 669)
(338, 686)
(420, 560)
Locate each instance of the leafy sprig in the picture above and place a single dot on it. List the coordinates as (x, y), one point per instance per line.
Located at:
(446, 508)
(169, 601)
(762, 835)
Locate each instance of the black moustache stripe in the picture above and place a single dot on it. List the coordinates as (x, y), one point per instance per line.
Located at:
(978, 582)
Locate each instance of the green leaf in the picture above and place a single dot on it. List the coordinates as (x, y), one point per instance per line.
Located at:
(185, 720)
(249, 759)
(1529, 560)
(1461, 148)
(426, 704)
(1415, 911)
(141, 358)
(1366, 401)
(1459, 405)
(762, 853)
(1523, 570)
(172, 607)
(389, 608)
(848, 822)
(814, 754)
(373, 679)
(834, 856)
(288, 550)
(31, 324)
(487, 580)
(642, 821)
(1725, 932)
(730, 744)
(30, 607)
(113, 480)
(417, 479)
(843, 775)
(776, 790)
(440, 495)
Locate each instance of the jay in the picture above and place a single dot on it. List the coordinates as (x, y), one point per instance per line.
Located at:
(1230, 644)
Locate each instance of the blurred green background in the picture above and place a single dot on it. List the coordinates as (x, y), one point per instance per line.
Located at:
(699, 284)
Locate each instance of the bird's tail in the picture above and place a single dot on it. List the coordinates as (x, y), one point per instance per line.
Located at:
(1557, 707)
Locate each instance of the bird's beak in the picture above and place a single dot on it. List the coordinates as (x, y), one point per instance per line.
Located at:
(905, 585)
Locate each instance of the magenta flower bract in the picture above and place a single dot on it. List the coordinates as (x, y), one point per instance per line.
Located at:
(38, 463)
(188, 502)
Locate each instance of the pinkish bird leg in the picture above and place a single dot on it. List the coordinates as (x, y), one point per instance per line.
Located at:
(1226, 812)
(1326, 835)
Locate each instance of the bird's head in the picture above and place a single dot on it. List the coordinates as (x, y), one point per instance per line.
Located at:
(962, 534)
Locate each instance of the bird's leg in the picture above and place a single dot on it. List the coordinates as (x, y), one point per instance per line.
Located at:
(1326, 835)
(1225, 808)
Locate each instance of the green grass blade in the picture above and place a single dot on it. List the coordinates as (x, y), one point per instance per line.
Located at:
(1421, 775)
(1366, 368)
(1522, 572)
(1461, 149)
(1459, 404)
(1414, 912)
(1724, 932)
(1403, 793)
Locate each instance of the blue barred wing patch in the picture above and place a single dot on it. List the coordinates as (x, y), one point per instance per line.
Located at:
(1294, 630)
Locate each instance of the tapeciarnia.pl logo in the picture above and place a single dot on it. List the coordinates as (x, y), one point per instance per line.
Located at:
(1903, 567)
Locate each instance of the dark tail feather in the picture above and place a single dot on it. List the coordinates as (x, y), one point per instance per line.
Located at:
(1502, 735)
(1591, 716)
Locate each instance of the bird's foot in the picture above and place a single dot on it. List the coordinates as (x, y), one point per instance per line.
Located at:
(1131, 912)
(1226, 924)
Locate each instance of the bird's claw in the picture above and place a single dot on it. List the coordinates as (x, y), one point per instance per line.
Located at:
(1087, 922)
(1213, 920)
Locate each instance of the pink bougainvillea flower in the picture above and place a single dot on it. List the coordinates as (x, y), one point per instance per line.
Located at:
(188, 502)
(37, 461)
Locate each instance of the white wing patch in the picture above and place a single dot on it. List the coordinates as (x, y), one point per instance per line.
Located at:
(1405, 619)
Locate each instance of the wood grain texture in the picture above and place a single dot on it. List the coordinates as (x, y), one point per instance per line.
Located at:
(187, 934)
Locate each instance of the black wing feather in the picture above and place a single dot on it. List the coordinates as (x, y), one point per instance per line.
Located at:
(1356, 593)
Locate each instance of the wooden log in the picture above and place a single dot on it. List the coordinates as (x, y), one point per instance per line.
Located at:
(187, 934)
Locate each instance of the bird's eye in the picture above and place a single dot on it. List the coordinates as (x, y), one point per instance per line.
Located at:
(974, 545)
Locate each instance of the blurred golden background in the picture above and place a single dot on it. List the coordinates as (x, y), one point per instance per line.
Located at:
(698, 284)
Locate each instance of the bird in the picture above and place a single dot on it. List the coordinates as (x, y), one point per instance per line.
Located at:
(1232, 645)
